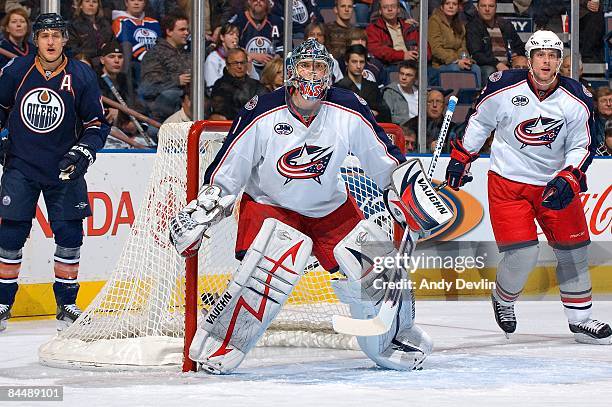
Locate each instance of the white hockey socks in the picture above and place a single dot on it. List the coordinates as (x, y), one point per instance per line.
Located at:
(270, 270)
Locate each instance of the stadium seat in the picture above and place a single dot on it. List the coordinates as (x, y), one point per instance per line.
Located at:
(458, 80)
(460, 114)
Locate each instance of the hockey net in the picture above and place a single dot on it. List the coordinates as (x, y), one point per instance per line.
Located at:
(145, 315)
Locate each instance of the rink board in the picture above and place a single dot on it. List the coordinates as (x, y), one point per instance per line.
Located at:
(115, 199)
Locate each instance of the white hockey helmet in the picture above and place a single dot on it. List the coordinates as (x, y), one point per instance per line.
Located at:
(309, 50)
(543, 39)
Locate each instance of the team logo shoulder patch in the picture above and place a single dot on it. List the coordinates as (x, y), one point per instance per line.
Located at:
(586, 91)
(250, 105)
(283, 128)
(520, 100)
(361, 100)
(495, 76)
(305, 162)
(42, 110)
(6, 200)
(542, 131)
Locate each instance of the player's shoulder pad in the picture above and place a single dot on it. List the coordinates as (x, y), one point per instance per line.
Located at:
(347, 99)
(258, 106)
(577, 89)
(503, 79)
(81, 71)
(18, 66)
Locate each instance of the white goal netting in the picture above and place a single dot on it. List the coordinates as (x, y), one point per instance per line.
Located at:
(137, 319)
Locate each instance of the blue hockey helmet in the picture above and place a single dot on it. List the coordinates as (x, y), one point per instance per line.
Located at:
(50, 21)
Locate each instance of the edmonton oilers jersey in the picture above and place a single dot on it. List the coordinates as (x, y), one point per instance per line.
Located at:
(264, 38)
(141, 33)
(46, 116)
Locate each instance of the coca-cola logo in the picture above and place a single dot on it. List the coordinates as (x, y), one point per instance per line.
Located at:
(598, 211)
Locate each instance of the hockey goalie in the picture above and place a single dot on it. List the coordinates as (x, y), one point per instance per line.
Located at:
(284, 151)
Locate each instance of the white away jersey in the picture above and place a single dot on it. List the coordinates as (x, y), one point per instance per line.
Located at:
(280, 161)
(535, 137)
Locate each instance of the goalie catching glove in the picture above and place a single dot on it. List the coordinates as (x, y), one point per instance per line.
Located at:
(76, 162)
(187, 228)
(458, 169)
(562, 189)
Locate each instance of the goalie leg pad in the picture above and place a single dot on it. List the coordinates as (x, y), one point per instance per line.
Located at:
(405, 346)
(270, 270)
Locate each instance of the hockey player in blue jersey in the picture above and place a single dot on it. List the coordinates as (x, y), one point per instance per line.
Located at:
(53, 121)
(286, 149)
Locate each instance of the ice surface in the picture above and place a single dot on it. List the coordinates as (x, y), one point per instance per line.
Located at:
(472, 365)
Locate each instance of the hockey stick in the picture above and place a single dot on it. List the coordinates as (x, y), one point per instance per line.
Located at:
(119, 98)
(382, 322)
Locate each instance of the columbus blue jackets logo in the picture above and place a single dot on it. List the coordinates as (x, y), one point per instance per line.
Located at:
(306, 162)
(42, 110)
(541, 131)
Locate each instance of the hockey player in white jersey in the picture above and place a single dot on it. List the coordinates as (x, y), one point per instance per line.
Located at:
(539, 156)
(285, 150)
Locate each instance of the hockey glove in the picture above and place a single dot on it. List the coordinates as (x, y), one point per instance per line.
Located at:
(458, 169)
(76, 162)
(4, 145)
(562, 189)
(187, 227)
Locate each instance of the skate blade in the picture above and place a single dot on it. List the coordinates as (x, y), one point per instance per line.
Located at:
(61, 325)
(582, 338)
(507, 335)
(3, 324)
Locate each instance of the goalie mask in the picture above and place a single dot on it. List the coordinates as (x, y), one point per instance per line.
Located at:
(309, 70)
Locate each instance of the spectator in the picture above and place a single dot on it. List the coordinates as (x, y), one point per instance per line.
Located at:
(167, 68)
(228, 38)
(355, 58)
(603, 113)
(410, 139)
(136, 34)
(402, 97)
(338, 31)
(436, 104)
(374, 70)
(566, 70)
(261, 33)
(317, 31)
(32, 7)
(591, 31)
(88, 31)
(547, 12)
(184, 113)
(447, 40)
(111, 61)
(491, 40)
(304, 12)
(235, 87)
(605, 148)
(137, 30)
(16, 30)
(520, 62)
(272, 74)
(390, 38)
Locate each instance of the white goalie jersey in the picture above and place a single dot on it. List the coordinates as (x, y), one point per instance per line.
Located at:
(282, 161)
(536, 134)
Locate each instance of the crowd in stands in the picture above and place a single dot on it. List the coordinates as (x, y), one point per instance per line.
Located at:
(141, 52)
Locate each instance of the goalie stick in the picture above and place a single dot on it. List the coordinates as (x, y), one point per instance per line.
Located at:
(382, 322)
